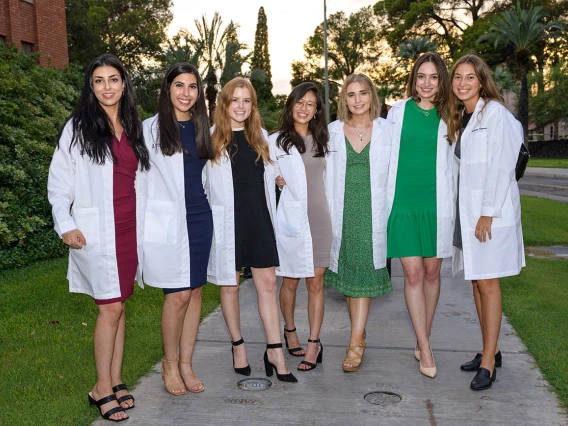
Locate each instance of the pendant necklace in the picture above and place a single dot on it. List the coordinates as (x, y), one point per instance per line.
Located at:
(359, 132)
(182, 126)
(425, 112)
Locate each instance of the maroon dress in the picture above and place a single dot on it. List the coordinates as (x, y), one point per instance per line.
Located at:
(124, 202)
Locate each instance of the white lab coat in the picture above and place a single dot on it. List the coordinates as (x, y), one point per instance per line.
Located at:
(335, 187)
(292, 227)
(490, 147)
(81, 196)
(219, 189)
(445, 191)
(166, 244)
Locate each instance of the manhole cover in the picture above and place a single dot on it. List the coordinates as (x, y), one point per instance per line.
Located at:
(383, 398)
(254, 384)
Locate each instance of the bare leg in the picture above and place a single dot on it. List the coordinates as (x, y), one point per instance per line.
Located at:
(432, 267)
(358, 313)
(232, 315)
(116, 366)
(105, 337)
(187, 341)
(414, 273)
(265, 283)
(316, 301)
(491, 312)
(173, 314)
(288, 306)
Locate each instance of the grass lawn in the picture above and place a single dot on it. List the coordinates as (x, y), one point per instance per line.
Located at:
(558, 163)
(545, 222)
(46, 344)
(536, 303)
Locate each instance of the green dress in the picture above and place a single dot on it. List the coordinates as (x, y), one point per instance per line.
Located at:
(412, 227)
(356, 275)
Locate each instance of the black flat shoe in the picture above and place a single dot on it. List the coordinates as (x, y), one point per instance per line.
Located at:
(483, 379)
(110, 412)
(475, 363)
(269, 367)
(292, 351)
(245, 371)
(124, 398)
(319, 359)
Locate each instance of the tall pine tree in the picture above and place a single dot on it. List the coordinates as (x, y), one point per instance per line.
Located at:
(261, 74)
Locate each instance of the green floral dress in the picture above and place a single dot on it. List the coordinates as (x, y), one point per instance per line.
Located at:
(356, 275)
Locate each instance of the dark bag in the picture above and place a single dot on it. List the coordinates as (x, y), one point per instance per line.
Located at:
(522, 161)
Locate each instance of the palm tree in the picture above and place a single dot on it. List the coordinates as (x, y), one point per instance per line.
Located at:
(522, 29)
(411, 49)
(183, 47)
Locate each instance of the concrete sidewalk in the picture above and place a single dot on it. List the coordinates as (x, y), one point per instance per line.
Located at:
(546, 172)
(328, 396)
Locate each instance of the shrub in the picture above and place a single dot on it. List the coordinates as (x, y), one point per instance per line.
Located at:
(35, 101)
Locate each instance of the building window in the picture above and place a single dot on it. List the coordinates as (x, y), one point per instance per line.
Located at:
(27, 47)
(29, 1)
(3, 40)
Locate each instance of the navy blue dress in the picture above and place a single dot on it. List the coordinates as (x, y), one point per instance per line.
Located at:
(198, 212)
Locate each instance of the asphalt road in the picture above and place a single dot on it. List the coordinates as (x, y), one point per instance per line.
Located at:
(553, 188)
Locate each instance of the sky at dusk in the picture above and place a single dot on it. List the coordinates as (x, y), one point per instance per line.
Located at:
(290, 23)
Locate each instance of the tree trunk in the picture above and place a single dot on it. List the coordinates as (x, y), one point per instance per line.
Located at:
(524, 101)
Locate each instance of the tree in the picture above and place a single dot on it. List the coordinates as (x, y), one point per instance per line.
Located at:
(552, 105)
(132, 30)
(354, 45)
(261, 74)
(522, 29)
(442, 20)
(234, 59)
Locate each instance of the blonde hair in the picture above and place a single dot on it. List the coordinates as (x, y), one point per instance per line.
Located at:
(488, 92)
(343, 112)
(222, 137)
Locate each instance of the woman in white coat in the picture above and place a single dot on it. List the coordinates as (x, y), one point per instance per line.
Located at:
(179, 224)
(96, 188)
(420, 198)
(303, 224)
(241, 191)
(488, 235)
(356, 188)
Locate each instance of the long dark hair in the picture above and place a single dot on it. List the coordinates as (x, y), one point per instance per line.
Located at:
(92, 129)
(444, 86)
(168, 129)
(289, 137)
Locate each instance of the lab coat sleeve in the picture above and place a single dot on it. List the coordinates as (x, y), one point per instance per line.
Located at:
(503, 150)
(61, 183)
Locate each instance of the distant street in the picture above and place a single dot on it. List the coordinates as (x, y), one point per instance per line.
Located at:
(553, 188)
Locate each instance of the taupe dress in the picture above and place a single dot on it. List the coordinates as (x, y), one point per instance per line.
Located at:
(318, 212)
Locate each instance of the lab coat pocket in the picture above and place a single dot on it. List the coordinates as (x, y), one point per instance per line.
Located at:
(474, 207)
(218, 213)
(289, 218)
(87, 221)
(160, 222)
(476, 152)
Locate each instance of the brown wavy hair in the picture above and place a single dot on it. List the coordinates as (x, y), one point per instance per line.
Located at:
(222, 136)
(488, 92)
(343, 112)
(444, 86)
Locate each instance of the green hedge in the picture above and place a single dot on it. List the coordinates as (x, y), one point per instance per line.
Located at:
(35, 101)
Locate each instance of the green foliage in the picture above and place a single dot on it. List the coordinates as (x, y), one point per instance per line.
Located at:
(47, 348)
(261, 74)
(132, 30)
(34, 103)
(353, 46)
(544, 221)
(552, 105)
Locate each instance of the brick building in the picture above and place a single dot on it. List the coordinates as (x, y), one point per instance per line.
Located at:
(36, 26)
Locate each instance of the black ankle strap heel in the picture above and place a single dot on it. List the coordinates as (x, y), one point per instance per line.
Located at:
(245, 371)
(292, 351)
(319, 359)
(269, 367)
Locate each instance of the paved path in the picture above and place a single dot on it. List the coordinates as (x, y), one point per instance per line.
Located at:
(545, 183)
(328, 396)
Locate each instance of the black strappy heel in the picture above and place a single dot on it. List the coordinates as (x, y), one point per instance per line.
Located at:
(269, 367)
(245, 371)
(293, 351)
(110, 412)
(124, 398)
(319, 360)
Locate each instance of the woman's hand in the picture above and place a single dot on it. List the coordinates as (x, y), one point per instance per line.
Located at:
(74, 239)
(483, 228)
(280, 182)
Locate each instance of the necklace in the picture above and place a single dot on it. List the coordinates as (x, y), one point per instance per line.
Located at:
(423, 111)
(359, 132)
(182, 126)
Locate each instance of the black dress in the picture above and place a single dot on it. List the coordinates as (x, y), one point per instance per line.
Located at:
(198, 212)
(255, 244)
